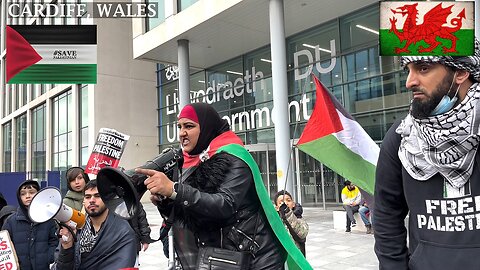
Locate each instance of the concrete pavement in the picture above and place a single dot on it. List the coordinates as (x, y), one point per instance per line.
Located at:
(327, 248)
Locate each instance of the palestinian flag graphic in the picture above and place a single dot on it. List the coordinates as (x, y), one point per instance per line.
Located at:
(427, 28)
(51, 54)
(334, 138)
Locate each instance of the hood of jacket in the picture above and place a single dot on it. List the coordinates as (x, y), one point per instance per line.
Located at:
(20, 203)
(76, 196)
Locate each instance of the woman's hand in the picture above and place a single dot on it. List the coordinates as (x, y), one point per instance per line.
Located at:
(157, 182)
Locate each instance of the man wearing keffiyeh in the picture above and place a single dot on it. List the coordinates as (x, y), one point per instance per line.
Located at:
(106, 241)
(428, 168)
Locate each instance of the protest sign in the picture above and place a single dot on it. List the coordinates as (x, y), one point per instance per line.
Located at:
(107, 151)
(8, 257)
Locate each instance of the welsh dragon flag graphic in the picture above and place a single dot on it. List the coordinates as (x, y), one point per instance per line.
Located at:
(427, 28)
(51, 54)
(332, 137)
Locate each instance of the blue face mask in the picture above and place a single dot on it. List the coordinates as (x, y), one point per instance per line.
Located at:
(446, 104)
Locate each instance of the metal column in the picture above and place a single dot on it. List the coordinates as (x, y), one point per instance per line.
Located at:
(183, 73)
(280, 94)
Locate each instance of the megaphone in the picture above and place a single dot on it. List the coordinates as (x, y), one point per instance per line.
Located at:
(48, 204)
(121, 190)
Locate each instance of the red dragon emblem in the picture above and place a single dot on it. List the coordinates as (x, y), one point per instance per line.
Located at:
(431, 28)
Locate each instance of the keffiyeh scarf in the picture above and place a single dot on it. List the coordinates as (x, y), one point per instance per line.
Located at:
(445, 144)
(87, 237)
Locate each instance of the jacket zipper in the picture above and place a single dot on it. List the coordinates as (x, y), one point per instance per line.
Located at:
(248, 237)
(210, 258)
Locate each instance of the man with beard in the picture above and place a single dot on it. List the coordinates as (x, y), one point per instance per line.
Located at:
(105, 241)
(351, 200)
(429, 169)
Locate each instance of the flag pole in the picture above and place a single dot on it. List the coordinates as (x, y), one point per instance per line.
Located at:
(304, 92)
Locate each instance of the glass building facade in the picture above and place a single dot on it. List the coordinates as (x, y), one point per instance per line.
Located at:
(39, 140)
(343, 53)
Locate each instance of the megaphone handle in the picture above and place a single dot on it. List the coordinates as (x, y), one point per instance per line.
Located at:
(176, 172)
(61, 224)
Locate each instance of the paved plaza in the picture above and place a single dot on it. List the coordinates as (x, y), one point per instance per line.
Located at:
(326, 248)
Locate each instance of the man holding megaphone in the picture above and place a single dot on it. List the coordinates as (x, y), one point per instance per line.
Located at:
(106, 241)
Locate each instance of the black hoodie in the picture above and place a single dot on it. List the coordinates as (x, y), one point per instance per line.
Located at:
(443, 232)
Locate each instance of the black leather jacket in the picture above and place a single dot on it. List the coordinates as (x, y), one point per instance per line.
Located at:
(218, 202)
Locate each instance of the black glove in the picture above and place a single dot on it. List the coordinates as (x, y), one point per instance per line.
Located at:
(298, 210)
(283, 210)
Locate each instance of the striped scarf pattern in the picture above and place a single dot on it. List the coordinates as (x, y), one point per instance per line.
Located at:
(87, 237)
(445, 144)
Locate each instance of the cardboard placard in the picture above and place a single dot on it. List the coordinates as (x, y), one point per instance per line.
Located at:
(8, 257)
(107, 151)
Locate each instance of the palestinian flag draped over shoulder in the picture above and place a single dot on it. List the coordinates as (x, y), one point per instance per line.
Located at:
(332, 137)
(427, 28)
(295, 258)
(51, 54)
(229, 142)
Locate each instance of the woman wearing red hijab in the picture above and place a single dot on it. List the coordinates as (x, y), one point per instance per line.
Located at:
(217, 201)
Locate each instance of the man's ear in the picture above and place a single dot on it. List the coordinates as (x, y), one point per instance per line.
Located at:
(462, 76)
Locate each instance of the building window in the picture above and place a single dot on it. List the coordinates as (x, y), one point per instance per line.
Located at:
(168, 113)
(36, 90)
(183, 4)
(62, 131)
(7, 147)
(16, 90)
(5, 98)
(24, 94)
(360, 29)
(21, 143)
(313, 52)
(154, 22)
(38, 141)
(84, 120)
(228, 79)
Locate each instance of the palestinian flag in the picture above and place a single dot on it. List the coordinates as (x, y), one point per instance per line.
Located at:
(334, 138)
(295, 258)
(427, 28)
(51, 54)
